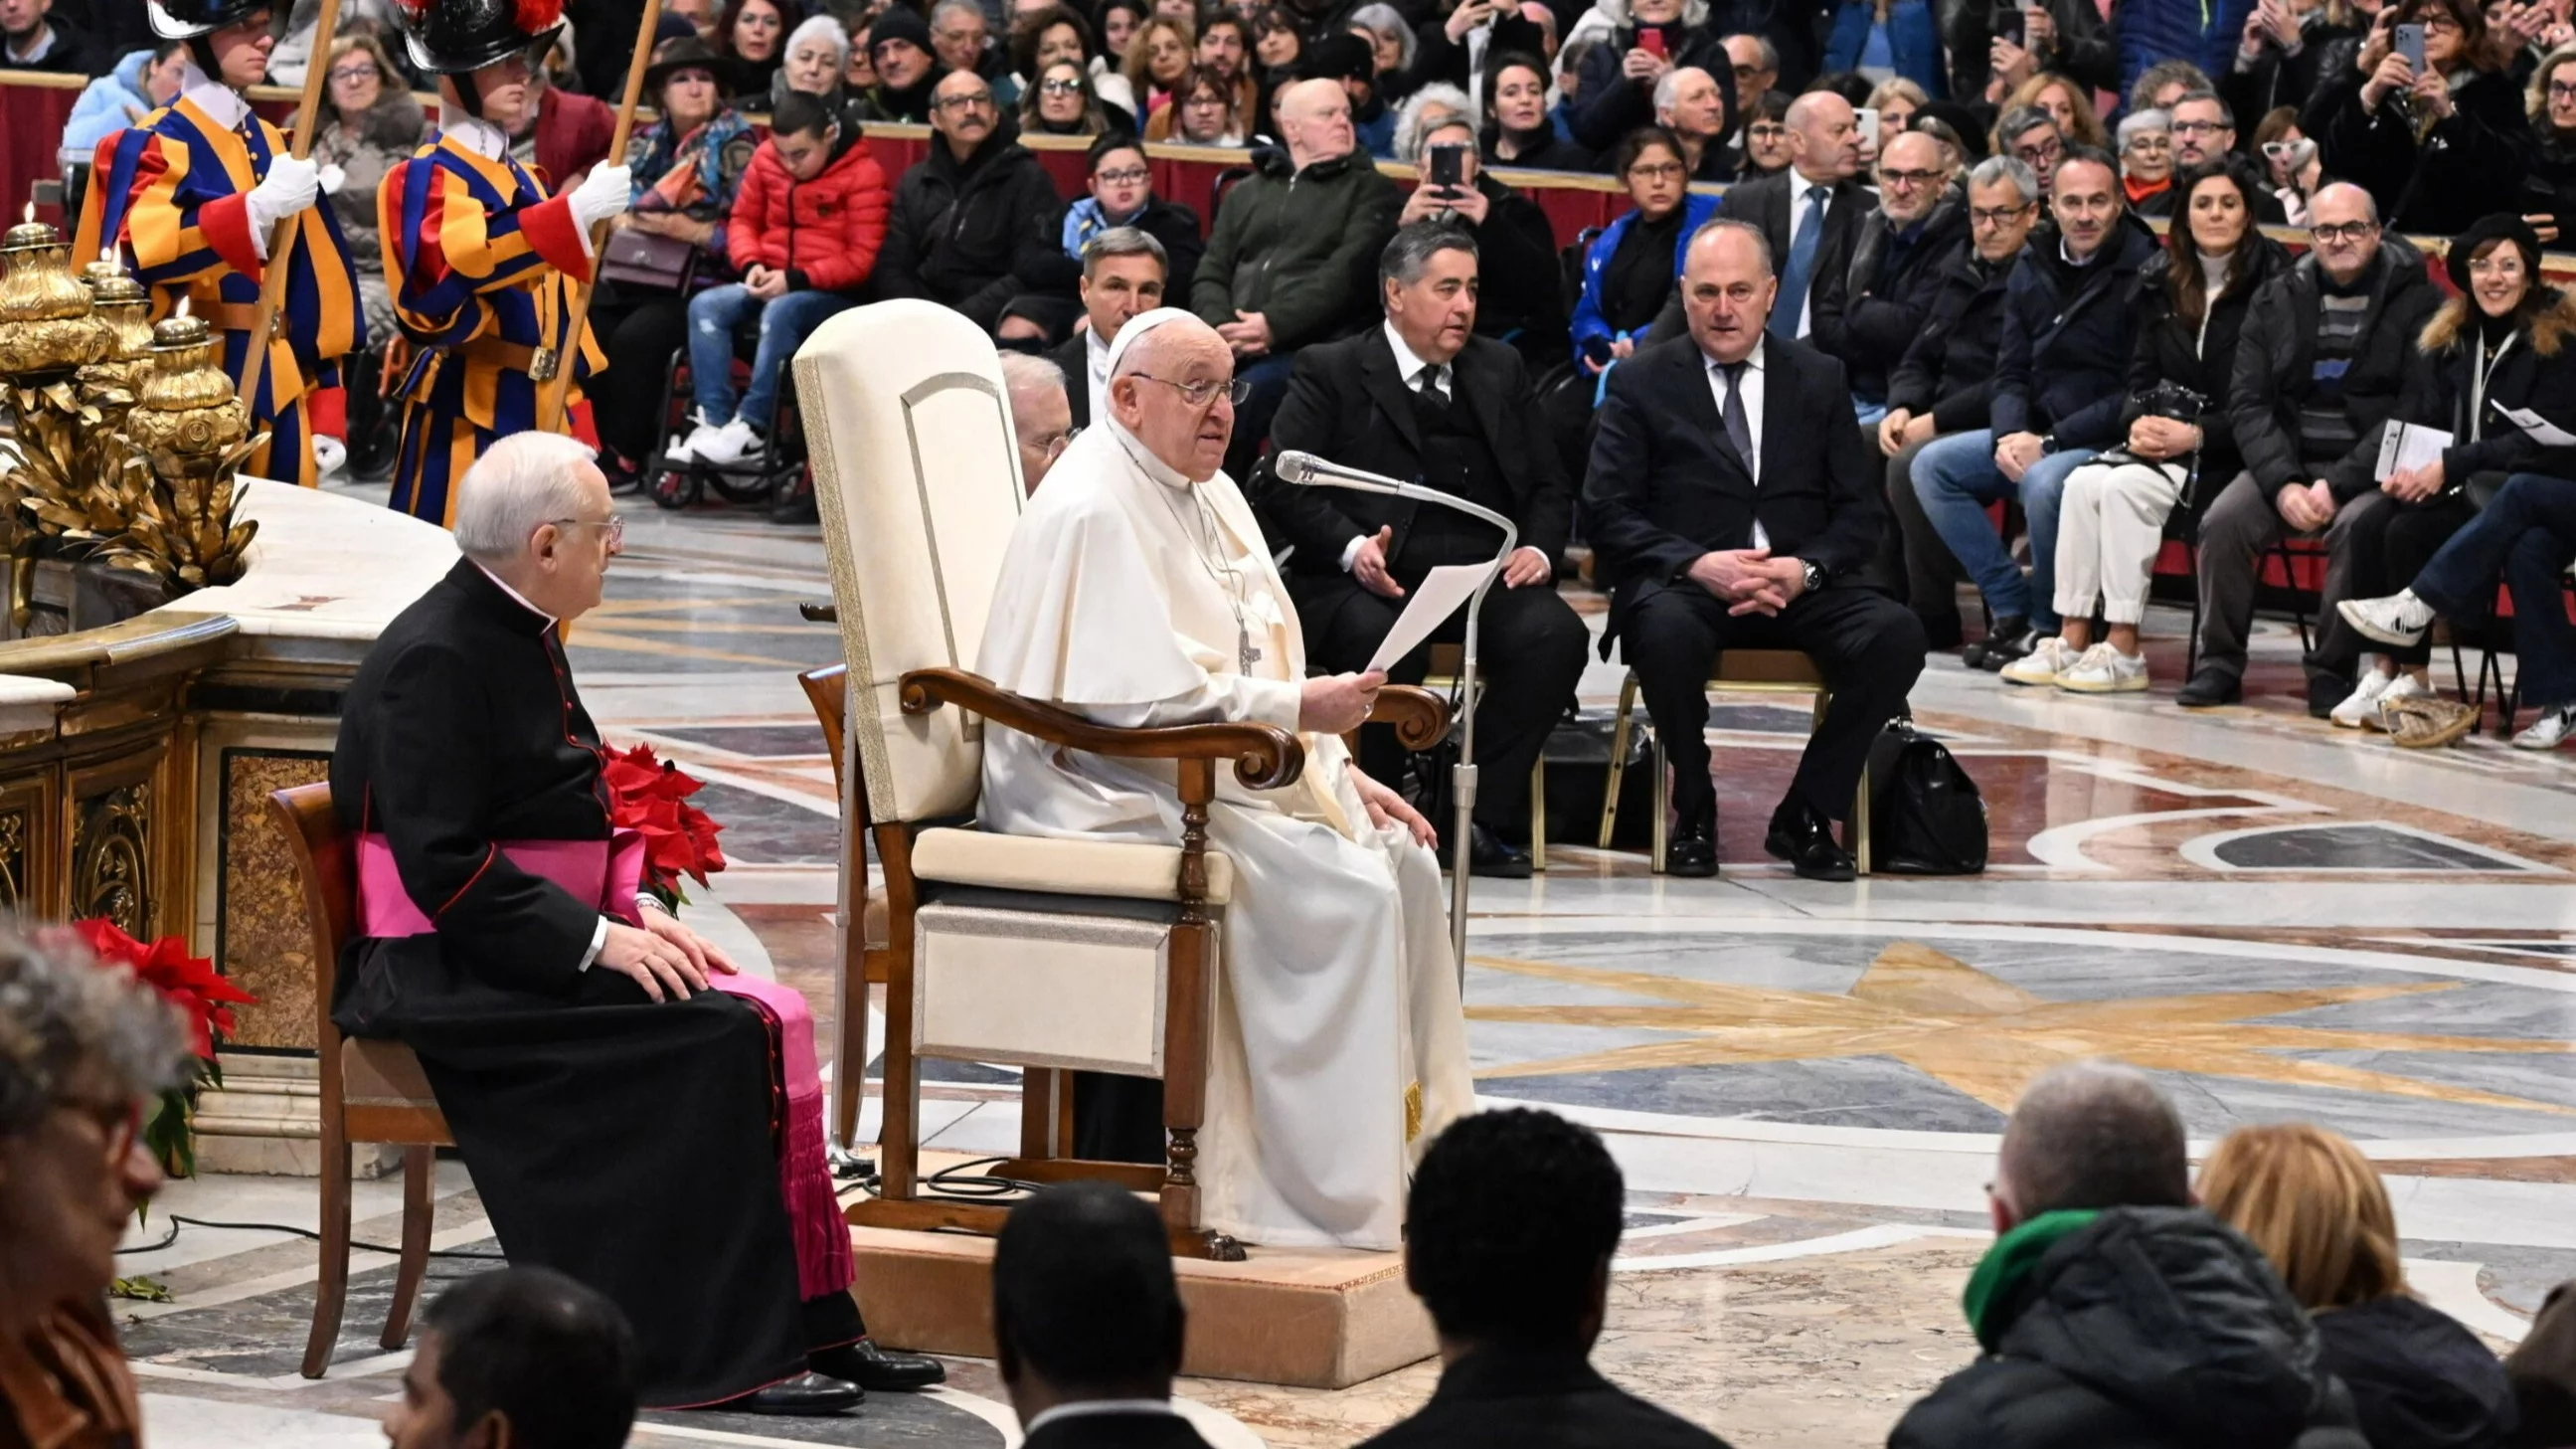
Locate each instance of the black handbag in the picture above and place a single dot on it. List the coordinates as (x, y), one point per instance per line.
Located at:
(1925, 815)
(648, 261)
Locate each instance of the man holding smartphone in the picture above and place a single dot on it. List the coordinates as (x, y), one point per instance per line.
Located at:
(1995, 47)
(1520, 292)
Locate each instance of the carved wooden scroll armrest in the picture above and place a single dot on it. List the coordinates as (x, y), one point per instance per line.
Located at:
(1265, 756)
(1419, 716)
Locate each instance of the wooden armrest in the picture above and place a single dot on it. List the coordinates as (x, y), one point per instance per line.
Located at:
(1265, 756)
(1419, 716)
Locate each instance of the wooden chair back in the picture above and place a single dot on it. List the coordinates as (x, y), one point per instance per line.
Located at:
(827, 689)
(326, 865)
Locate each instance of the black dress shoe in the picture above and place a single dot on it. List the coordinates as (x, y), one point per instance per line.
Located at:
(806, 1396)
(1490, 854)
(1941, 631)
(2210, 688)
(874, 1369)
(2006, 630)
(1692, 848)
(1801, 835)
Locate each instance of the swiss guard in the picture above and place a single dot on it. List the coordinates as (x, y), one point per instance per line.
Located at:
(481, 261)
(194, 195)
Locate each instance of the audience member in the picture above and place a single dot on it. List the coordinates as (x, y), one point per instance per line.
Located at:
(2028, 135)
(561, 134)
(2499, 344)
(1119, 20)
(1124, 272)
(970, 216)
(1059, 101)
(2112, 1311)
(899, 53)
(519, 1357)
(1158, 59)
(1050, 33)
(1633, 265)
(750, 44)
(1460, 49)
(1728, 502)
(1041, 413)
(1945, 384)
(2283, 50)
(1520, 286)
(2066, 105)
(2325, 351)
(2316, 1207)
(1897, 99)
(1205, 114)
(1121, 194)
(1766, 137)
(2549, 196)
(1286, 261)
(1348, 60)
(1392, 46)
(1616, 85)
(2149, 32)
(1808, 214)
(2191, 304)
(1088, 1323)
(2289, 161)
(2060, 392)
(32, 37)
(2542, 1369)
(2160, 85)
(1517, 129)
(1693, 106)
(806, 230)
(369, 124)
(1511, 1223)
(1428, 106)
(1869, 310)
(2204, 131)
(143, 82)
(1754, 66)
(2067, 37)
(962, 38)
(818, 56)
(2437, 150)
(2147, 162)
(85, 1053)
(1225, 51)
(1422, 396)
(1277, 46)
(1899, 39)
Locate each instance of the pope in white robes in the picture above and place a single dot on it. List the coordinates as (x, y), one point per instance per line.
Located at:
(1138, 590)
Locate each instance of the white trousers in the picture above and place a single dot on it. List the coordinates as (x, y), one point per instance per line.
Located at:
(2110, 526)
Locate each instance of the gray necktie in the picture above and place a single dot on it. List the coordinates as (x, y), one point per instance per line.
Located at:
(1738, 431)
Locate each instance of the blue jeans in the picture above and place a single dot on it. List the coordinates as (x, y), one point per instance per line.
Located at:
(714, 316)
(2527, 532)
(1955, 478)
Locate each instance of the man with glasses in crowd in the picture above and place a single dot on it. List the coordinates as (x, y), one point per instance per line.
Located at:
(1041, 414)
(2324, 353)
(2030, 136)
(2205, 130)
(1869, 311)
(970, 217)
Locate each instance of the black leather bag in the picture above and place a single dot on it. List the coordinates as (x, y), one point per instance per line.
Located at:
(1925, 815)
(646, 261)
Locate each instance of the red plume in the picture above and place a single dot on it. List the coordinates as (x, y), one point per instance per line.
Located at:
(536, 17)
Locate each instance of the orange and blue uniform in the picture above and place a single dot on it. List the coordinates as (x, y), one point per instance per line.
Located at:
(173, 194)
(482, 264)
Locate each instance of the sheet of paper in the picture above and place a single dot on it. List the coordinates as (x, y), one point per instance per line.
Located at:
(2408, 445)
(1437, 597)
(2538, 427)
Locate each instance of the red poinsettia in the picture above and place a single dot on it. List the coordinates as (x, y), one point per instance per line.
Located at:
(191, 983)
(650, 795)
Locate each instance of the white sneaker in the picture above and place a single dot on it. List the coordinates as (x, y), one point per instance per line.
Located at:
(2401, 618)
(2047, 659)
(2105, 670)
(683, 450)
(2404, 686)
(729, 445)
(2548, 731)
(2362, 705)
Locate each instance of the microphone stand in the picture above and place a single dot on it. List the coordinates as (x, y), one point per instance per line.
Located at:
(1307, 471)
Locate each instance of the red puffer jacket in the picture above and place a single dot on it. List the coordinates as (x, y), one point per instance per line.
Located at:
(824, 233)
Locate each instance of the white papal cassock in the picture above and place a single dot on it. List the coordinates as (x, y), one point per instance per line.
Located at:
(1340, 1049)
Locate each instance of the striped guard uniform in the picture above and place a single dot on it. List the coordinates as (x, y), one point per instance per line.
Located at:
(481, 263)
(173, 194)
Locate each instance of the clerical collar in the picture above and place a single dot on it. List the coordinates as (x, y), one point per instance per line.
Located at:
(1408, 365)
(515, 596)
(1094, 1408)
(476, 135)
(222, 104)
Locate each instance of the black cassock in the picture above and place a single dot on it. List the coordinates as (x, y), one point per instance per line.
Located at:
(626, 1143)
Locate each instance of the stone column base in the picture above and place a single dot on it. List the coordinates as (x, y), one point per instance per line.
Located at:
(267, 1118)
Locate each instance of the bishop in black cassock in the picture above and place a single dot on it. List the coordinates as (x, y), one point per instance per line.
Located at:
(621, 1127)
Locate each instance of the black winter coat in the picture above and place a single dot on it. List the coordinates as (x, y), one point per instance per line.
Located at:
(2086, 52)
(1520, 287)
(2530, 370)
(2276, 367)
(2468, 165)
(2061, 367)
(2174, 349)
(1174, 225)
(2275, 79)
(963, 233)
(1949, 367)
(2150, 1328)
(2549, 188)
(1609, 105)
(1868, 312)
(2418, 1379)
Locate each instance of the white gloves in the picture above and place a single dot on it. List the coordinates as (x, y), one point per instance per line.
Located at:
(328, 454)
(289, 187)
(602, 194)
(332, 178)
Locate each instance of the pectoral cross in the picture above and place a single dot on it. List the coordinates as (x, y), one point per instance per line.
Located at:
(1243, 647)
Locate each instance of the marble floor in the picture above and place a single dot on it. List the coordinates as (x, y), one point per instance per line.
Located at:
(1802, 1081)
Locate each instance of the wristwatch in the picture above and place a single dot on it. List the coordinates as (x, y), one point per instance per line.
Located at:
(1815, 574)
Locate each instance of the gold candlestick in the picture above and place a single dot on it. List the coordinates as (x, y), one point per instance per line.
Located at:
(195, 431)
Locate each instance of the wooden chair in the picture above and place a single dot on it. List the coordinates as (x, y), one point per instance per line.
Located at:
(1047, 954)
(1739, 671)
(372, 1091)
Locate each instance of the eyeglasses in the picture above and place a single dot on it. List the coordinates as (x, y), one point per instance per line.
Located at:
(1204, 100)
(1198, 394)
(1908, 178)
(1125, 176)
(2440, 20)
(1060, 88)
(1657, 171)
(2197, 128)
(2349, 231)
(1052, 445)
(2503, 264)
(614, 526)
(1747, 72)
(981, 100)
(2157, 141)
(355, 73)
(1991, 216)
(2562, 90)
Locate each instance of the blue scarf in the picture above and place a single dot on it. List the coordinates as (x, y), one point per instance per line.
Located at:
(1084, 220)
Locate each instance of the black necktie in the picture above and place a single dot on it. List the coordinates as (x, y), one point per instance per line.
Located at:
(1428, 386)
(1738, 431)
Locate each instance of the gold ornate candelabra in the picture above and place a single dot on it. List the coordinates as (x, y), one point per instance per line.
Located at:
(195, 432)
(61, 489)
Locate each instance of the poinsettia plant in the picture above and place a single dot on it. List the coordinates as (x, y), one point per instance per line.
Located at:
(650, 796)
(204, 997)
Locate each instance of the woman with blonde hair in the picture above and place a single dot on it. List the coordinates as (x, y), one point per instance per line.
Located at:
(1158, 60)
(2065, 103)
(2317, 1209)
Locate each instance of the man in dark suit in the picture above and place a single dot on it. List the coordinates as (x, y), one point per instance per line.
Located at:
(1729, 501)
(1087, 1321)
(1509, 1230)
(1422, 398)
(1809, 212)
(1123, 273)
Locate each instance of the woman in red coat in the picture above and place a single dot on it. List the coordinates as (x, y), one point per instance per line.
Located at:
(806, 227)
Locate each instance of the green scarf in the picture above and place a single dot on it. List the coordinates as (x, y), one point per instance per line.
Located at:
(2008, 1264)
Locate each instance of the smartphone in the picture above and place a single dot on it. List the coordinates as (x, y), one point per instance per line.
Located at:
(1596, 350)
(2006, 24)
(1448, 167)
(1650, 39)
(1867, 119)
(2409, 41)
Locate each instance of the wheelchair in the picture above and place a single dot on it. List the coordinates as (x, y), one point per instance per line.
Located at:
(773, 476)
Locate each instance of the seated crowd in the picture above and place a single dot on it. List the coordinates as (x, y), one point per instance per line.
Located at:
(2263, 1305)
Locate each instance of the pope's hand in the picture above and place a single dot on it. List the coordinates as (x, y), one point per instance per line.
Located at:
(1385, 808)
(661, 967)
(602, 194)
(1337, 703)
(289, 187)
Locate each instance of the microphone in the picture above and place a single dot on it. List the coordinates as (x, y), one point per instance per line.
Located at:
(1305, 470)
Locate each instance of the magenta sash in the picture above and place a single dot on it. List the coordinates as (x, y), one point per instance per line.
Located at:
(607, 874)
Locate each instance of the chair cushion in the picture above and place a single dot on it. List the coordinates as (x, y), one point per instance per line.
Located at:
(1068, 867)
(382, 1074)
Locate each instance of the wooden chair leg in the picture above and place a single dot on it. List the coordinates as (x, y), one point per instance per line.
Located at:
(1538, 813)
(331, 1288)
(1856, 830)
(1663, 807)
(420, 1177)
(850, 1057)
(1618, 758)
